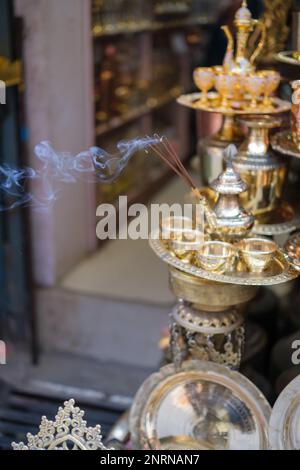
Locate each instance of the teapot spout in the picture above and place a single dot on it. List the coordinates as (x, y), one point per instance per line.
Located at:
(208, 211)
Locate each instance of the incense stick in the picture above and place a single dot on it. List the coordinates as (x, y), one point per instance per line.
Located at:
(169, 156)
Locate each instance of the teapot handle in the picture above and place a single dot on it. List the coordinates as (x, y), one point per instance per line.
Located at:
(263, 34)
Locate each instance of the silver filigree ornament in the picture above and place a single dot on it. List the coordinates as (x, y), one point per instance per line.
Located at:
(69, 431)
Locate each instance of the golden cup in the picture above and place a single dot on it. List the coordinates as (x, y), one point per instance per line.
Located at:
(204, 78)
(271, 83)
(226, 84)
(254, 85)
(172, 228)
(257, 253)
(187, 244)
(216, 256)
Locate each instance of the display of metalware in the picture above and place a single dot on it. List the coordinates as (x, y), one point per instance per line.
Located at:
(204, 406)
(288, 142)
(240, 90)
(262, 170)
(121, 16)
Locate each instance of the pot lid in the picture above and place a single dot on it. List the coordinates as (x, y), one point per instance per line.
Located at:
(229, 181)
(284, 428)
(202, 406)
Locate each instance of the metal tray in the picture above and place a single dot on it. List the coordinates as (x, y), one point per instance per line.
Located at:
(202, 406)
(192, 100)
(280, 270)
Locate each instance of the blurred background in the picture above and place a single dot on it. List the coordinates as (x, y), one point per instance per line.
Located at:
(81, 317)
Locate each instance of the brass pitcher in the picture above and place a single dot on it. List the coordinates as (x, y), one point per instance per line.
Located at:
(262, 170)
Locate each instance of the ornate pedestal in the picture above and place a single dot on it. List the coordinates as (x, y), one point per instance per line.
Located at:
(207, 322)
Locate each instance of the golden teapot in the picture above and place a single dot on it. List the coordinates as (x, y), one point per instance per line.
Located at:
(239, 61)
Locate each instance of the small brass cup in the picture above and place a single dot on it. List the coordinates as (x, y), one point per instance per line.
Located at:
(204, 78)
(257, 253)
(227, 85)
(254, 85)
(271, 83)
(216, 256)
(187, 244)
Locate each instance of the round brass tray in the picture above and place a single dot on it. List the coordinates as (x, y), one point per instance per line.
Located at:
(287, 57)
(279, 272)
(202, 406)
(283, 143)
(280, 221)
(192, 100)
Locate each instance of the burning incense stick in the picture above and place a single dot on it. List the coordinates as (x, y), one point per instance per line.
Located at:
(166, 152)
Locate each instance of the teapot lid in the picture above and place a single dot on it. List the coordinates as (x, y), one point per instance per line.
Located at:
(229, 181)
(243, 15)
(284, 427)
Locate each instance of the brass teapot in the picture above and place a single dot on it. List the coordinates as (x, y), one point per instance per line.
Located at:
(240, 62)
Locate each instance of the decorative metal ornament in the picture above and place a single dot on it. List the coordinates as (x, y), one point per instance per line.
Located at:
(202, 406)
(69, 431)
(210, 336)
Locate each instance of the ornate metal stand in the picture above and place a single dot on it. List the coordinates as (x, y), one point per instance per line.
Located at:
(207, 322)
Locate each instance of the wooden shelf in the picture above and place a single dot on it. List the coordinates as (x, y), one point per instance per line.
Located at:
(152, 104)
(98, 32)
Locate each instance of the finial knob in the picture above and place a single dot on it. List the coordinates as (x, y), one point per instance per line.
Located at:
(230, 153)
